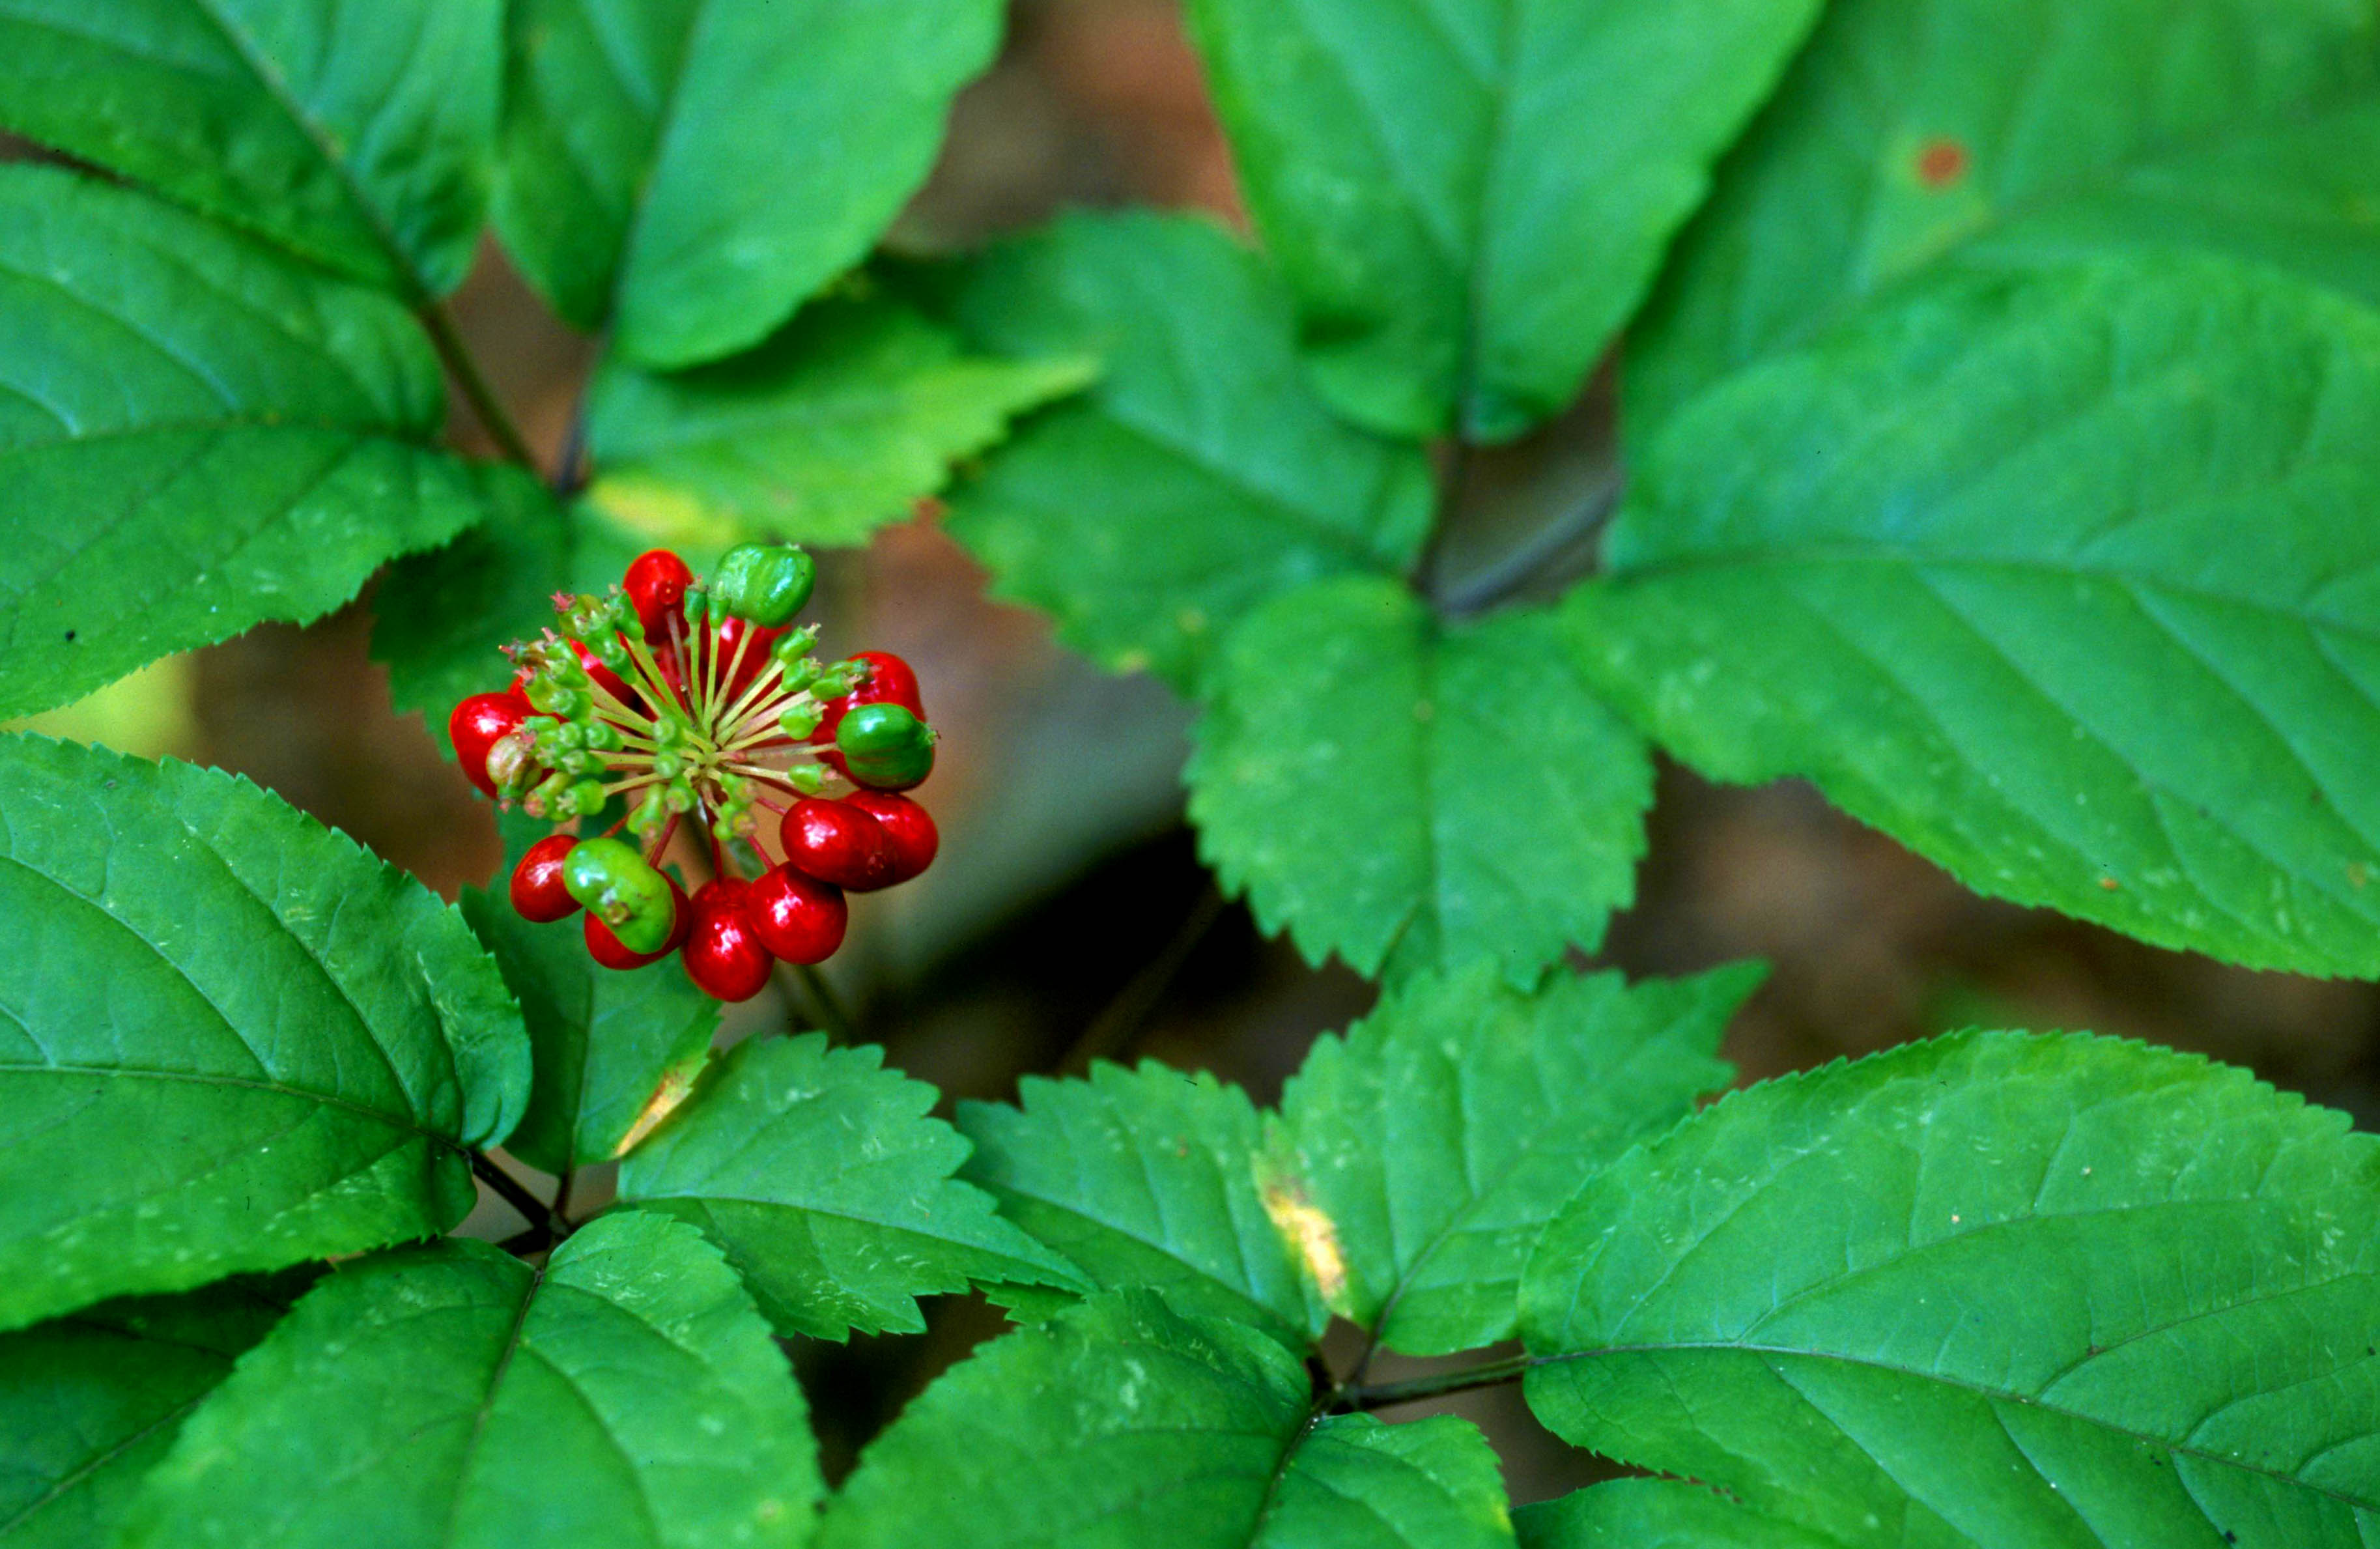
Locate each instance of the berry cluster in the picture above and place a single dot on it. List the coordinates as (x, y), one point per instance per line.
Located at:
(698, 707)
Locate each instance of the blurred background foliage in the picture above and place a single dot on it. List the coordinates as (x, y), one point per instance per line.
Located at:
(1069, 917)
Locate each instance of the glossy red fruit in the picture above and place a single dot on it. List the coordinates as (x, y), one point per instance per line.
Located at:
(836, 842)
(910, 828)
(723, 955)
(605, 948)
(798, 917)
(476, 727)
(537, 892)
(890, 681)
(656, 584)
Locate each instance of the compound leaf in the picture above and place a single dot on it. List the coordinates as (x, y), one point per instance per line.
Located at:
(358, 136)
(212, 436)
(2065, 579)
(1995, 1289)
(1199, 476)
(89, 1403)
(687, 171)
(1915, 133)
(1414, 797)
(403, 1401)
(1148, 1179)
(1471, 196)
(1441, 1133)
(1125, 1422)
(229, 1038)
(834, 428)
(614, 1051)
(820, 1176)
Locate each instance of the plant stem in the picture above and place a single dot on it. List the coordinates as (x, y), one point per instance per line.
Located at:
(1110, 1033)
(1380, 1396)
(483, 397)
(535, 1211)
(839, 1026)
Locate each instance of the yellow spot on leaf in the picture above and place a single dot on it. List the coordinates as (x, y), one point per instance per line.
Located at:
(1311, 1233)
(674, 1085)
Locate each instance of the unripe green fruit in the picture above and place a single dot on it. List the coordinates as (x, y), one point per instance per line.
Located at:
(618, 887)
(885, 746)
(767, 585)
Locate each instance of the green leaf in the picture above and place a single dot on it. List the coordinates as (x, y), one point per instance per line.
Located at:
(614, 1051)
(1148, 1179)
(1199, 476)
(819, 1175)
(442, 619)
(357, 136)
(1443, 1133)
(212, 436)
(831, 429)
(2067, 582)
(229, 1038)
(89, 1403)
(687, 171)
(1995, 1289)
(1471, 196)
(1915, 133)
(1655, 1514)
(1412, 797)
(1124, 1423)
(452, 1398)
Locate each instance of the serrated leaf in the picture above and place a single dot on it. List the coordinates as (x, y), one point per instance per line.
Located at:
(2021, 131)
(820, 1176)
(834, 428)
(1471, 196)
(686, 172)
(1991, 1290)
(451, 1398)
(89, 1403)
(608, 1044)
(1124, 1422)
(1413, 797)
(1148, 1179)
(442, 619)
(1199, 476)
(2067, 582)
(1655, 1514)
(358, 136)
(1443, 1132)
(230, 1039)
(211, 436)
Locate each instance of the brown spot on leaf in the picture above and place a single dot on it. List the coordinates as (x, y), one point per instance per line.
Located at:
(1941, 163)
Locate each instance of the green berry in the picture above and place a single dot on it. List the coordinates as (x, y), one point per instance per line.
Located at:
(765, 584)
(619, 887)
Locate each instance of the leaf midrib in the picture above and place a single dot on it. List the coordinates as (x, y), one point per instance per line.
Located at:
(416, 290)
(1981, 1390)
(279, 1089)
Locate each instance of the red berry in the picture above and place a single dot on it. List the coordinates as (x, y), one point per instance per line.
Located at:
(656, 584)
(909, 826)
(723, 955)
(605, 948)
(478, 724)
(798, 917)
(890, 681)
(537, 892)
(838, 843)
